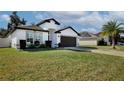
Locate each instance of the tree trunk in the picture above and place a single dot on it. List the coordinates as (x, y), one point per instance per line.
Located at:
(113, 43)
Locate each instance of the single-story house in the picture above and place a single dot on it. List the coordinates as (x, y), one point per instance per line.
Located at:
(46, 30)
(87, 38)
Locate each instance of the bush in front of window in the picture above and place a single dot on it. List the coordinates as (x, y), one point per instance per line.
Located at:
(43, 46)
(37, 43)
(31, 46)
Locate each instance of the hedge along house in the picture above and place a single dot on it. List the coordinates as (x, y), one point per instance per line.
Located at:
(46, 30)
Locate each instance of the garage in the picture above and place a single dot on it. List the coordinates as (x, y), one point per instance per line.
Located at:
(68, 37)
(68, 41)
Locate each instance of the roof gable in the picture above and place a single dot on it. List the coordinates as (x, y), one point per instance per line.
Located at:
(48, 20)
(59, 31)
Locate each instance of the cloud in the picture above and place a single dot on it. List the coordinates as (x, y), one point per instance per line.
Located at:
(5, 17)
(117, 15)
(93, 20)
(68, 13)
(39, 16)
(68, 16)
(62, 16)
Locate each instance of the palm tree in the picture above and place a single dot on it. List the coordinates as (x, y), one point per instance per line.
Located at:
(112, 29)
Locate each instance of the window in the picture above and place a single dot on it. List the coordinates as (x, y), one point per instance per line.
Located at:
(30, 37)
(38, 37)
(30, 40)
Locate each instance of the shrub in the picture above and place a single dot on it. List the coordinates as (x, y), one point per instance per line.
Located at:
(31, 46)
(102, 42)
(37, 43)
(43, 46)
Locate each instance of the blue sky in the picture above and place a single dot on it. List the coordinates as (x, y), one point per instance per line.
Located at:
(91, 21)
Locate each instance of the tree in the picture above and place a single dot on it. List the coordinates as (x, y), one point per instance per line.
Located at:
(112, 29)
(3, 32)
(15, 20)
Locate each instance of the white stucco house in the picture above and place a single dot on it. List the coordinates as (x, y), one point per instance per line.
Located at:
(42, 32)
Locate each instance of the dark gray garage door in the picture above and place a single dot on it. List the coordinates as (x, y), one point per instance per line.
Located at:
(68, 41)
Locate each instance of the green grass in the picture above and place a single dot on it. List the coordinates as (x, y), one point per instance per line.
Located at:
(59, 65)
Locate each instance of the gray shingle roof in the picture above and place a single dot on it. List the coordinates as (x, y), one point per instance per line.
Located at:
(31, 27)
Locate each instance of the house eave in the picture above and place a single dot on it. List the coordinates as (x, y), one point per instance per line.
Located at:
(59, 31)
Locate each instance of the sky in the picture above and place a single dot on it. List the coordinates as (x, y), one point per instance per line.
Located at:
(90, 21)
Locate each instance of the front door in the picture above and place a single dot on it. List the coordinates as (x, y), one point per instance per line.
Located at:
(22, 44)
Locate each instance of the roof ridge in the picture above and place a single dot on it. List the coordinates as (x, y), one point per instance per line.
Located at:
(47, 20)
(59, 31)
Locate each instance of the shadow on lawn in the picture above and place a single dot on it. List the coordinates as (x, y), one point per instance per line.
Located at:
(79, 50)
(39, 49)
(90, 47)
(52, 49)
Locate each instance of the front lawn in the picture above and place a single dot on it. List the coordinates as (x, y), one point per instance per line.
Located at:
(59, 65)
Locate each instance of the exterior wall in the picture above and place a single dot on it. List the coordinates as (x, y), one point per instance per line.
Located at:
(52, 27)
(16, 36)
(56, 40)
(4, 42)
(58, 36)
(77, 41)
(49, 25)
(22, 35)
(54, 37)
(32, 34)
(69, 32)
(14, 42)
(87, 42)
(45, 37)
(38, 36)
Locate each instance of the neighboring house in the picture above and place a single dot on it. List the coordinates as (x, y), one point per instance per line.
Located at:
(102, 40)
(121, 40)
(4, 41)
(87, 38)
(46, 30)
